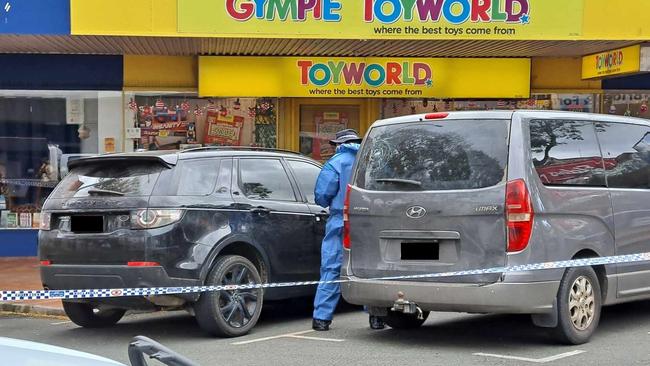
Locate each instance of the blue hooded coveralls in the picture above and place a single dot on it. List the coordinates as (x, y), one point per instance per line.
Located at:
(330, 192)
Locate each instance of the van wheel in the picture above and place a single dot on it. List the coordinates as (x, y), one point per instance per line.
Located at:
(230, 313)
(397, 320)
(91, 316)
(578, 305)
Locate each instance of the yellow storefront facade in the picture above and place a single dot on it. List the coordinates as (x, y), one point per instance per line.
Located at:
(289, 73)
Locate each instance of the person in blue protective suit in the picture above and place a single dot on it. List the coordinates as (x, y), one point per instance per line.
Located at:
(330, 192)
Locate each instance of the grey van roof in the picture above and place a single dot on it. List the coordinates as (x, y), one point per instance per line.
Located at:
(496, 114)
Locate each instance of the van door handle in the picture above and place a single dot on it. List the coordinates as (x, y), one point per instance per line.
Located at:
(260, 210)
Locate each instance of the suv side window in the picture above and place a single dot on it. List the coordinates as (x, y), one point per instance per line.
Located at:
(566, 152)
(197, 177)
(306, 174)
(265, 179)
(626, 150)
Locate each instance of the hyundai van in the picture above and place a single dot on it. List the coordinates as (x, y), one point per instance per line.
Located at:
(460, 191)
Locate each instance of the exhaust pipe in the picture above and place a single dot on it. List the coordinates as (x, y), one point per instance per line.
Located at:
(402, 305)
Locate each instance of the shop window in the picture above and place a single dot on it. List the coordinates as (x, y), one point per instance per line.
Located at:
(40, 133)
(177, 121)
(633, 104)
(320, 123)
(562, 102)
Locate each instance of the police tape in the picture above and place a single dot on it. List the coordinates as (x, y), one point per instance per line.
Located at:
(29, 183)
(12, 295)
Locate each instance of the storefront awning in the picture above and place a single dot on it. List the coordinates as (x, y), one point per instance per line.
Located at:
(300, 47)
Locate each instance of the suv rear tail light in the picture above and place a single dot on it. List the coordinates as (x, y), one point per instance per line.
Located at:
(150, 219)
(46, 263)
(46, 219)
(346, 218)
(519, 215)
(143, 264)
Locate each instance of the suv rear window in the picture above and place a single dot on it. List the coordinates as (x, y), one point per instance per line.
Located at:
(441, 155)
(110, 178)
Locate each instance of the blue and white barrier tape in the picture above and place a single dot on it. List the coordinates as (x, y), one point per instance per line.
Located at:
(124, 292)
(29, 183)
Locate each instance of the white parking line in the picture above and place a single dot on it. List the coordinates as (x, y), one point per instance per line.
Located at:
(60, 323)
(317, 338)
(296, 335)
(533, 360)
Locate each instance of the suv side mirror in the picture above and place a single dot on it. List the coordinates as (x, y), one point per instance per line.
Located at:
(141, 345)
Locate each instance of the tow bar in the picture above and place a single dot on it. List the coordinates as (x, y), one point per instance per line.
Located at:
(407, 307)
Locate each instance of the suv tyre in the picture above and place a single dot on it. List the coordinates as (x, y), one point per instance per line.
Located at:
(397, 320)
(230, 313)
(89, 316)
(579, 305)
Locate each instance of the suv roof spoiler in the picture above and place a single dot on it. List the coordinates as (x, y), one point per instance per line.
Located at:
(167, 160)
(238, 148)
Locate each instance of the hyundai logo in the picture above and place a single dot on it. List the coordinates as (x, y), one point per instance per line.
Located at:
(416, 212)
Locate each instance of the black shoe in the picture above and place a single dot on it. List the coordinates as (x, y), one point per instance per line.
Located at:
(321, 325)
(376, 322)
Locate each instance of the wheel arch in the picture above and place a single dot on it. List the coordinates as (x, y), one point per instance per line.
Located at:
(601, 270)
(242, 246)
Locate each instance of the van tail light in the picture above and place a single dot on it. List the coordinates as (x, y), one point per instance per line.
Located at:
(346, 218)
(519, 215)
(46, 263)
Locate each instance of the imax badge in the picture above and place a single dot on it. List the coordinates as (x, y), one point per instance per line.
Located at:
(416, 212)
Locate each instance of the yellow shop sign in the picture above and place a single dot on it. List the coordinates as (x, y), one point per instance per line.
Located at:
(363, 77)
(382, 19)
(616, 62)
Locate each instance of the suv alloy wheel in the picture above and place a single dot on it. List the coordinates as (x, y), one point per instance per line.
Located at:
(230, 313)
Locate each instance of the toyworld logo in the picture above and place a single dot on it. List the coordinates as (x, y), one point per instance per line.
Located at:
(453, 11)
(609, 61)
(375, 75)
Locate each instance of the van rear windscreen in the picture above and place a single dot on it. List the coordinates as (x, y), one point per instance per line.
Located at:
(110, 178)
(439, 155)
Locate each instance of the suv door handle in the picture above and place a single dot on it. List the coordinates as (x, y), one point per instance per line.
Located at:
(323, 215)
(260, 210)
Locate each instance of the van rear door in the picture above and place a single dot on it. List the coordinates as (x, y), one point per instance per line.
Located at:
(428, 197)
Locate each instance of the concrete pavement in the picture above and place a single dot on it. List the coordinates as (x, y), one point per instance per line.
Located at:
(22, 273)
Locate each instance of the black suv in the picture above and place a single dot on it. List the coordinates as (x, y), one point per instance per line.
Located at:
(207, 216)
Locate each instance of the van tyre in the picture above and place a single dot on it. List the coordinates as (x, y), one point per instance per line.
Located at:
(579, 305)
(230, 313)
(397, 320)
(90, 316)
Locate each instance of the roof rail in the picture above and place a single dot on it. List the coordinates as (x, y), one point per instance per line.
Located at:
(240, 148)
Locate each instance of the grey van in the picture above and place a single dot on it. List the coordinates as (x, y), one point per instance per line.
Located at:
(474, 190)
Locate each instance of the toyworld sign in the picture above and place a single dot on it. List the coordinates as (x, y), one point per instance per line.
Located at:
(384, 19)
(364, 77)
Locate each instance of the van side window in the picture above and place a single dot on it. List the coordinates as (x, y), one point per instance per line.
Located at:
(626, 151)
(566, 152)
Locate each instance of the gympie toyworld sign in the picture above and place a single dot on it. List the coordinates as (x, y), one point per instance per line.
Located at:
(363, 77)
(382, 19)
